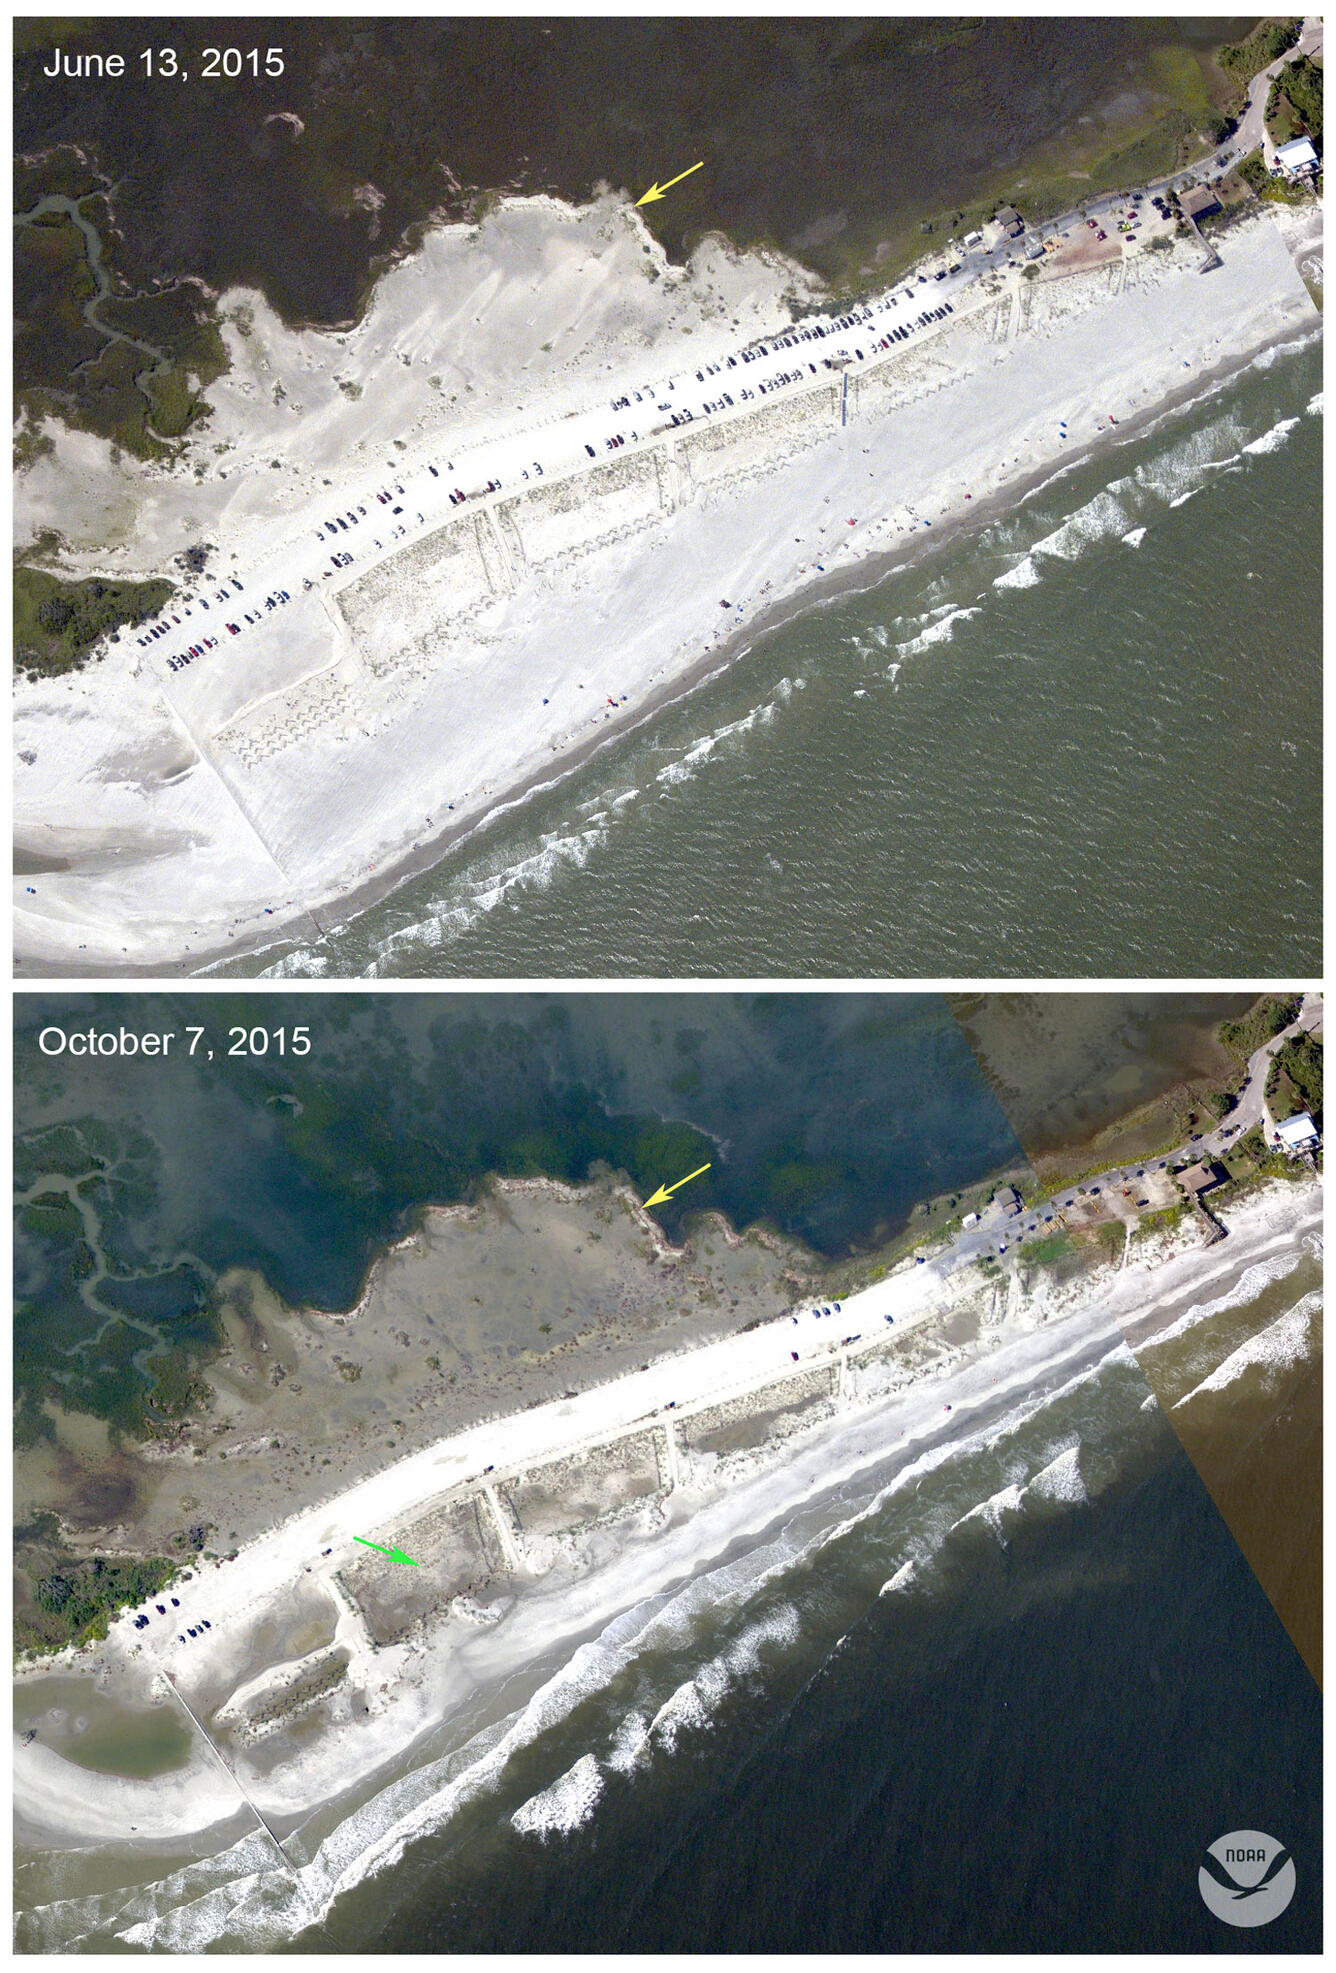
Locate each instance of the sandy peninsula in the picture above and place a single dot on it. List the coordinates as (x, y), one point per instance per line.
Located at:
(602, 559)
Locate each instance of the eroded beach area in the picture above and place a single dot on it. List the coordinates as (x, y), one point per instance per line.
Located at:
(410, 699)
(539, 1290)
(324, 1674)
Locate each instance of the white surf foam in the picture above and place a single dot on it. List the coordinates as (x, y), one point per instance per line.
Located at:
(1023, 576)
(1098, 520)
(1280, 1346)
(1273, 440)
(940, 632)
(1061, 1480)
(695, 757)
(568, 1803)
(686, 1708)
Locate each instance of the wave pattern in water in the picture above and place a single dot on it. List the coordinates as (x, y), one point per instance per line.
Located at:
(802, 812)
(664, 1671)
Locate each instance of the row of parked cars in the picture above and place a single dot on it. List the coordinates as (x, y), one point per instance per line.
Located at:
(191, 1630)
(345, 521)
(163, 628)
(181, 659)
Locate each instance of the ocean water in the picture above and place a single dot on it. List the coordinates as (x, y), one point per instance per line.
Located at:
(997, 1690)
(1083, 741)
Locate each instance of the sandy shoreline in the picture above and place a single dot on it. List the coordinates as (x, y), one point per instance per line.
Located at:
(1265, 305)
(830, 589)
(953, 1339)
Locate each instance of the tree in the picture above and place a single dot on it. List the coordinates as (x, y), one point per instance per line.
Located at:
(54, 614)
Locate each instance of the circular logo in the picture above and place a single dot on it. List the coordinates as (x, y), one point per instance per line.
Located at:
(1247, 1878)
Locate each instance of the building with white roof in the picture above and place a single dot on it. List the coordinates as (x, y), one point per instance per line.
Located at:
(1297, 1133)
(1297, 159)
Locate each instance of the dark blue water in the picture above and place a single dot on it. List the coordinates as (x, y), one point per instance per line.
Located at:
(1031, 1759)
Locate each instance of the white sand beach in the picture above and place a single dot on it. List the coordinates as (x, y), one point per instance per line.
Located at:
(531, 1532)
(297, 770)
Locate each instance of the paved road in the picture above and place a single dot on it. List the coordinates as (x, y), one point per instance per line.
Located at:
(994, 1236)
(1251, 131)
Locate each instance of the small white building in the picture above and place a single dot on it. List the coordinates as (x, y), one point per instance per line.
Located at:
(970, 1219)
(1297, 1133)
(1297, 159)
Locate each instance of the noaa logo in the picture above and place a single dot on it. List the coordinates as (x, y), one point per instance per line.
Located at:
(1247, 1878)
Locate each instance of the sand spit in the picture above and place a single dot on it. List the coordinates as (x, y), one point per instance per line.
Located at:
(417, 693)
(325, 1661)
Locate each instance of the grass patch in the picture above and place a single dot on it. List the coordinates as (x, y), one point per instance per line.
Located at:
(57, 623)
(1151, 1225)
(1047, 1248)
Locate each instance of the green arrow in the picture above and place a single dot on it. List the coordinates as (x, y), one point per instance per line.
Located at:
(395, 1554)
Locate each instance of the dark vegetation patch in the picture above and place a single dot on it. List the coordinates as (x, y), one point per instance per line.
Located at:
(1271, 1014)
(74, 1601)
(1294, 107)
(1294, 1083)
(1266, 44)
(57, 623)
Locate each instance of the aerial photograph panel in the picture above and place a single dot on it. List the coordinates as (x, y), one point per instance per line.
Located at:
(667, 1472)
(742, 497)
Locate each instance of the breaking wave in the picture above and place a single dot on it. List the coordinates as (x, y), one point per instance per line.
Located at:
(1249, 1285)
(1273, 440)
(570, 1801)
(1280, 1346)
(940, 632)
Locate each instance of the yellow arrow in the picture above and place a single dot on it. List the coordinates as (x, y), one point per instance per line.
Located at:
(666, 1191)
(656, 191)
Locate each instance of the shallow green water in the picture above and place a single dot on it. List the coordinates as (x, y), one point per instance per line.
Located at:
(77, 1722)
